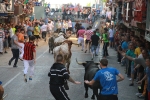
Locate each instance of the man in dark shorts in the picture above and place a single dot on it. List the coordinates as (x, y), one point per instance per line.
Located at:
(95, 41)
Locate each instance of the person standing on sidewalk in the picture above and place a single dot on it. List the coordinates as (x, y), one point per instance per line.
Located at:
(29, 58)
(2, 36)
(15, 49)
(107, 78)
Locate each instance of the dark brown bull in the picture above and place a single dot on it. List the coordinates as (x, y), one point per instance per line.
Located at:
(1, 92)
(90, 70)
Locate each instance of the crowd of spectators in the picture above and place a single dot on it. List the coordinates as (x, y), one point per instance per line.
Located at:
(137, 48)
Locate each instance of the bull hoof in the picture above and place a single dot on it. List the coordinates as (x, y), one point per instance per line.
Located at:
(86, 96)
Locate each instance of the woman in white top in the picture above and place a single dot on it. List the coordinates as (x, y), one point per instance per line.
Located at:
(65, 26)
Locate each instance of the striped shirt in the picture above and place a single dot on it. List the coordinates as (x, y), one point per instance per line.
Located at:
(29, 48)
(88, 34)
(57, 74)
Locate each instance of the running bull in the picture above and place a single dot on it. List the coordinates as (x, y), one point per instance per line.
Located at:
(90, 70)
(56, 40)
(65, 50)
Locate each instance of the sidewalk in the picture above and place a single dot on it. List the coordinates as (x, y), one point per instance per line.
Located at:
(126, 92)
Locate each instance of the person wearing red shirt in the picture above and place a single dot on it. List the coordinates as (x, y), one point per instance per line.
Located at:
(29, 58)
(80, 35)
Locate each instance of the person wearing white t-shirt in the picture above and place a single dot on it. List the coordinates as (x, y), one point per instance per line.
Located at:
(50, 28)
(69, 25)
(111, 36)
(44, 31)
(108, 15)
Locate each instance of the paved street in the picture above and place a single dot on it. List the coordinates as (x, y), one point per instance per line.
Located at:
(38, 88)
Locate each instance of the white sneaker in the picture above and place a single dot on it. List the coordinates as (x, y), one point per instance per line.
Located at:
(138, 94)
(130, 79)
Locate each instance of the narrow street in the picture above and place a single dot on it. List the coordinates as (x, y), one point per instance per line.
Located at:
(38, 88)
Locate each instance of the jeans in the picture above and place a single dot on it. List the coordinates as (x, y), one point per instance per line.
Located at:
(15, 53)
(105, 51)
(93, 49)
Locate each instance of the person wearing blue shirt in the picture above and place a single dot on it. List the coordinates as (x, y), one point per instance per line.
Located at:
(107, 78)
(124, 45)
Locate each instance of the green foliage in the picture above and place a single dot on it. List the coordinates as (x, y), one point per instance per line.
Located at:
(88, 5)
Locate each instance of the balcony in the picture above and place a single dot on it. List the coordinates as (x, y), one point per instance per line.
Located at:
(18, 10)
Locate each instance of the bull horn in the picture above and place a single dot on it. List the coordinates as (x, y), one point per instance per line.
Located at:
(75, 43)
(80, 63)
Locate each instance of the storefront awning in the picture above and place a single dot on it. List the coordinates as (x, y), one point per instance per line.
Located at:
(3, 14)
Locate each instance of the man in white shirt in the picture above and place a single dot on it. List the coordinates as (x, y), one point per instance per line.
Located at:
(50, 27)
(111, 36)
(44, 31)
(69, 25)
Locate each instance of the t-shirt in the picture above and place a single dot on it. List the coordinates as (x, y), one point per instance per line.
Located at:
(13, 45)
(137, 51)
(88, 34)
(131, 54)
(148, 77)
(20, 37)
(81, 33)
(44, 28)
(111, 33)
(98, 34)
(107, 79)
(95, 40)
(124, 45)
(36, 30)
(29, 31)
(105, 37)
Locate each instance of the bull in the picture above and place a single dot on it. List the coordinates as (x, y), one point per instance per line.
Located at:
(1, 92)
(65, 50)
(56, 40)
(90, 70)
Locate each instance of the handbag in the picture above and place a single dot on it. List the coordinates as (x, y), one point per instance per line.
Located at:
(66, 85)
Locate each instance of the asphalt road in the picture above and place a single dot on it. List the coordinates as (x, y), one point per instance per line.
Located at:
(38, 88)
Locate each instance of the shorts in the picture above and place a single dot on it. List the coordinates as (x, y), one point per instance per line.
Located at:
(87, 41)
(37, 36)
(5, 43)
(111, 39)
(93, 48)
(132, 69)
(80, 40)
(141, 69)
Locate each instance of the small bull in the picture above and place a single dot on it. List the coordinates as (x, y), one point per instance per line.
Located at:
(65, 50)
(1, 92)
(90, 70)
